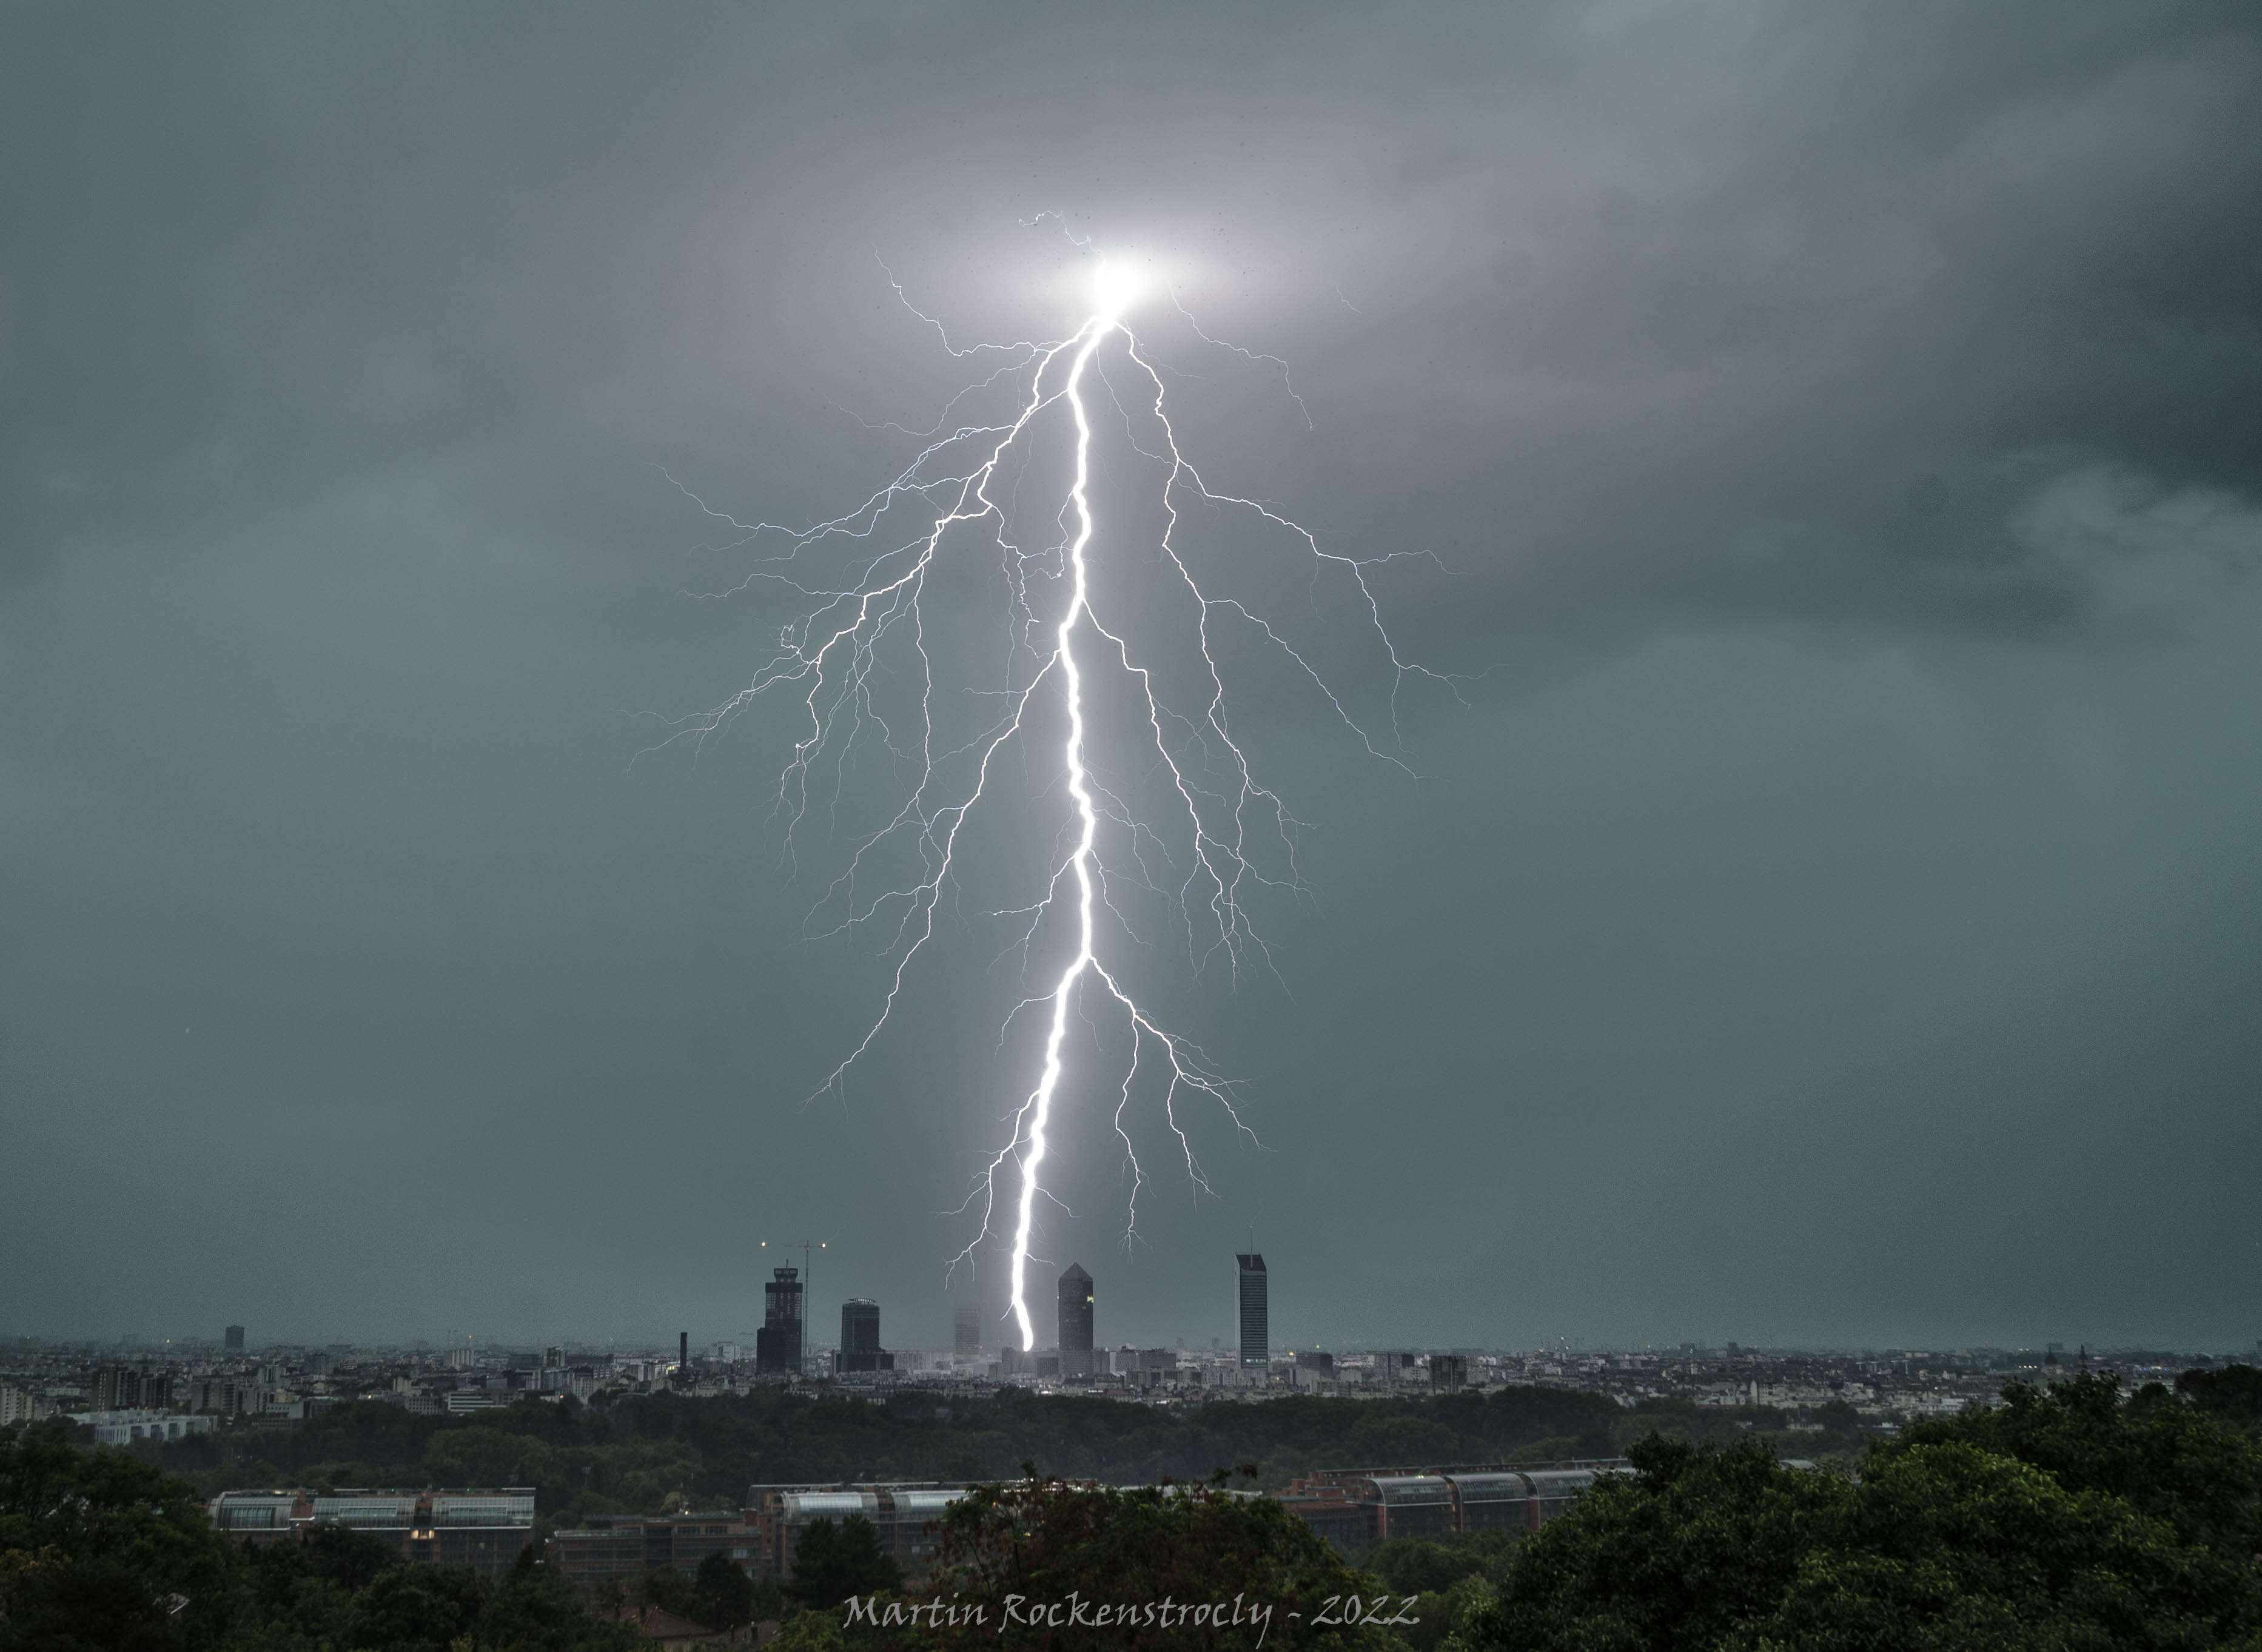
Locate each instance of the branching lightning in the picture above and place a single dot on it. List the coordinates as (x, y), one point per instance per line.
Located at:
(857, 659)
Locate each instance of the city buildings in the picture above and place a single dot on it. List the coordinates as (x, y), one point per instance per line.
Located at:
(126, 1427)
(966, 1331)
(777, 1344)
(904, 1512)
(1075, 1321)
(1255, 1325)
(623, 1548)
(484, 1530)
(126, 1388)
(234, 1339)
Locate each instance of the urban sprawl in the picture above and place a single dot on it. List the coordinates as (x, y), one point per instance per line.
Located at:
(134, 1394)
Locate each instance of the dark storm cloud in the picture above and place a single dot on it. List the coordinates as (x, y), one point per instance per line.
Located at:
(1730, 308)
(1821, 412)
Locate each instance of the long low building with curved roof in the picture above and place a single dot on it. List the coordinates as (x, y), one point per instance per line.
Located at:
(1357, 1509)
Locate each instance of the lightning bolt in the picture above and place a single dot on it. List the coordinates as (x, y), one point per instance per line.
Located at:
(854, 629)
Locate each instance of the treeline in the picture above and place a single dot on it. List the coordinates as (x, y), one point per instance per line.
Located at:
(100, 1553)
(2065, 1519)
(2070, 1518)
(635, 1454)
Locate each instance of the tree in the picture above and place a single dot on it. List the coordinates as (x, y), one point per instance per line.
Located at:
(665, 1588)
(102, 1552)
(419, 1608)
(2233, 1394)
(351, 1560)
(831, 1563)
(1175, 1547)
(2169, 1460)
(290, 1602)
(722, 1595)
(2057, 1520)
(530, 1611)
(1412, 1565)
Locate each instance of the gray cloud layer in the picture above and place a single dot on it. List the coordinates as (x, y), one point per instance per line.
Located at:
(1834, 917)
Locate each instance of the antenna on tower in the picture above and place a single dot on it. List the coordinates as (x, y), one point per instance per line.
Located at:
(807, 1296)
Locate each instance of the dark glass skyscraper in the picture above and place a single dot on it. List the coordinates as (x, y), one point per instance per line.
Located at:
(1075, 1312)
(860, 1337)
(777, 1344)
(1256, 1323)
(966, 1331)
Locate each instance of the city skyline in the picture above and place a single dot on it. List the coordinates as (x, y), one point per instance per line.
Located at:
(781, 1344)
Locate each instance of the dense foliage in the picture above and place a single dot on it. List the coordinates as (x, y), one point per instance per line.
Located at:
(631, 1457)
(2058, 1520)
(2065, 1519)
(102, 1552)
(347, 1594)
(833, 1563)
(1096, 1554)
(1445, 1578)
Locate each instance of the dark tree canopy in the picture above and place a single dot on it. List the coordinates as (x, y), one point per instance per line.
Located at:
(102, 1552)
(627, 1457)
(1047, 1539)
(2233, 1394)
(722, 1595)
(831, 1563)
(667, 1588)
(350, 1559)
(2057, 1520)
(1416, 1565)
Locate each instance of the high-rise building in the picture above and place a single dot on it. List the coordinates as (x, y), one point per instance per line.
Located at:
(1256, 1321)
(860, 1337)
(1076, 1310)
(777, 1344)
(966, 1331)
(234, 1339)
(1075, 1323)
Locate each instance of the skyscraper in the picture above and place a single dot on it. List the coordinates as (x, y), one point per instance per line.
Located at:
(777, 1344)
(234, 1339)
(1255, 1323)
(966, 1331)
(1076, 1321)
(860, 1337)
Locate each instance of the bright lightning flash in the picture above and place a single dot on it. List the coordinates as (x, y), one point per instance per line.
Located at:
(856, 631)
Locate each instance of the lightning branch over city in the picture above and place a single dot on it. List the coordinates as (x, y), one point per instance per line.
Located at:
(1099, 682)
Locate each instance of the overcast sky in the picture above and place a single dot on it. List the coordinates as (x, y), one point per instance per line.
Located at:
(1835, 915)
